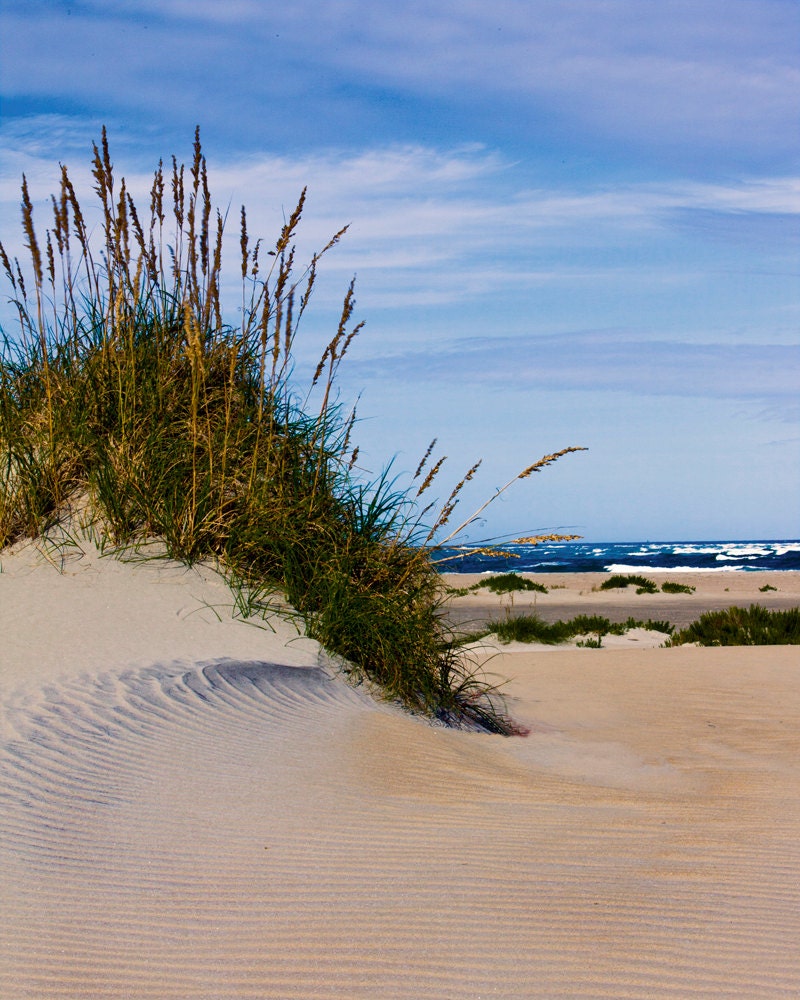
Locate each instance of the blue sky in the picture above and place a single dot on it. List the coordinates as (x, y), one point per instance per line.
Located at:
(573, 222)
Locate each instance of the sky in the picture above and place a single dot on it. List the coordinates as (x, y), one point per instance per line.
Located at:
(572, 223)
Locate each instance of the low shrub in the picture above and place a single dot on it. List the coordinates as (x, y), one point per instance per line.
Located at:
(668, 587)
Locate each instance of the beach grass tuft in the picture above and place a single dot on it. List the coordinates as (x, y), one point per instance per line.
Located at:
(644, 585)
(127, 395)
(735, 626)
(531, 628)
(508, 583)
(619, 580)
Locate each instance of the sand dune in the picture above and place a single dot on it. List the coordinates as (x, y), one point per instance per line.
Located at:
(247, 825)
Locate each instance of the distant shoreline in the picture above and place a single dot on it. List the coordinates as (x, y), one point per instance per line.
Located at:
(574, 593)
(624, 557)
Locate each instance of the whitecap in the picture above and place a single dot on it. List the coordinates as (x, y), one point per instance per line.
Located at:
(623, 568)
(743, 553)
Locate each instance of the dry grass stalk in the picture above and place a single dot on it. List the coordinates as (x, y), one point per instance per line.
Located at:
(480, 550)
(535, 467)
(424, 460)
(433, 472)
(540, 539)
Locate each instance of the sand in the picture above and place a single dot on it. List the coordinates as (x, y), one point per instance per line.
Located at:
(194, 807)
(571, 594)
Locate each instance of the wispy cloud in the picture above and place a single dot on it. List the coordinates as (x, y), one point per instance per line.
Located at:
(432, 225)
(673, 75)
(605, 361)
(675, 69)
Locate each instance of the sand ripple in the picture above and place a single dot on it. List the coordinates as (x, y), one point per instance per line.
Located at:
(250, 830)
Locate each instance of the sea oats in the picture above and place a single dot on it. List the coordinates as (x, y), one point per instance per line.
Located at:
(539, 539)
(137, 395)
(547, 460)
(424, 460)
(243, 244)
(432, 473)
(7, 266)
(30, 233)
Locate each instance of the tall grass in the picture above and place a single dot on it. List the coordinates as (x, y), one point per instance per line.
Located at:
(126, 390)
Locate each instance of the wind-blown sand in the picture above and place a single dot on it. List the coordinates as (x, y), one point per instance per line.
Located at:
(194, 807)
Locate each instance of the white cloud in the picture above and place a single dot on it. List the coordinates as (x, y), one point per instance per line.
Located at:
(429, 225)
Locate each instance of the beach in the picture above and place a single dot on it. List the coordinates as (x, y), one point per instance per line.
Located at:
(570, 594)
(199, 806)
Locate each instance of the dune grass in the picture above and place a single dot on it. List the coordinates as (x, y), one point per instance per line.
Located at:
(619, 580)
(670, 587)
(753, 626)
(508, 583)
(531, 628)
(126, 393)
(644, 585)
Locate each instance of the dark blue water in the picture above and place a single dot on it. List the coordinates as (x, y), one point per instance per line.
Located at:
(626, 557)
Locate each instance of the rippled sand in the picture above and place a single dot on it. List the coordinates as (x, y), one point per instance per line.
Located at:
(249, 826)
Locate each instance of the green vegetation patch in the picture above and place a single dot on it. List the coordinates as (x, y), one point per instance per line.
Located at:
(642, 584)
(753, 626)
(506, 583)
(531, 628)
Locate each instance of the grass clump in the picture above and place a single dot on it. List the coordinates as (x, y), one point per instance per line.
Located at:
(506, 583)
(668, 587)
(642, 584)
(767, 587)
(125, 391)
(753, 626)
(531, 628)
(651, 625)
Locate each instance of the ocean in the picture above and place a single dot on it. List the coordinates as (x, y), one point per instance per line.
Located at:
(626, 557)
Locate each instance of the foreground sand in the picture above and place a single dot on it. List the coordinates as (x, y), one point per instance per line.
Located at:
(191, 807)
